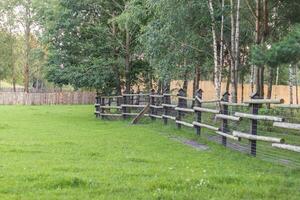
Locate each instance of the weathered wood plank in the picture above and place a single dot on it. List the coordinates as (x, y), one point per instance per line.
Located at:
(170, 95)
(169, 117)
(157, 96)
(110, 115)
(141, 114)
(258, 117)
(287, 147)
(227, 135)
(291, 106)
(111, 107)
(229, 117)
(130, 114)
(156, 116)
(111, 97)
(184, 123)
(234, 104)
(134, 95)
(287, 125)
(184, 109)
(207, 101)
(186, 98)
(133, 106)
(257, 137)
(201, 109)
(156, 107)
(265, 101)
(206, 126)
(169, 105)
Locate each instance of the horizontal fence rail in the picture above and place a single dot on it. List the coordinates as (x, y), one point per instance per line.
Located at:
(263, 128)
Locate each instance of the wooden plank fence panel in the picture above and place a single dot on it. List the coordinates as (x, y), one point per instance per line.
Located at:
(54, 98)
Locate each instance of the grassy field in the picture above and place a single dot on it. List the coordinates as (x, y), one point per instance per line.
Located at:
(63, 152)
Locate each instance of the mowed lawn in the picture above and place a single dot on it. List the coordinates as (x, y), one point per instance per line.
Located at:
(63, 152)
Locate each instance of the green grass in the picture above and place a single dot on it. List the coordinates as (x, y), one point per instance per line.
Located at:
(63, 152)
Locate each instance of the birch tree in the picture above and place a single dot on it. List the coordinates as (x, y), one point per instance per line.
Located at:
(27, 26)
(235, 46)
(217, 70)
(291, 81)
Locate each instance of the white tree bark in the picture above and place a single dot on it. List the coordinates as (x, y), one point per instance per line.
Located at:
(217, 81)
(291, 81)
(237, 50)
(222, 38)
(233, 54)
(252, 78)
(296, 83)
(276, 81)
(28, 23)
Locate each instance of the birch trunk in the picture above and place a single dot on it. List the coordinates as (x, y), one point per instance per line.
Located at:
(233, 55)
(127, 60)
(185, 81)
(27, 44)
(196, 83)
(12, 63)
(196, 80)
(167, 86)
(150, 78)
(160, 86)
(276, 81)
(221, 59)
(252, 78)
(237, 51)
(243, 87)
(291, 80)
(228, 79)
(217, 81)
(296, 84)
(257, 41)
(115, 55)
(270, 83)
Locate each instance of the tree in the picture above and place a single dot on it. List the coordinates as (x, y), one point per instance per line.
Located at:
(284, 52)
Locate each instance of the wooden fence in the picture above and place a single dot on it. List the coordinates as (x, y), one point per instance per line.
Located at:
(53, 98)
(249, 127)
(281, 91)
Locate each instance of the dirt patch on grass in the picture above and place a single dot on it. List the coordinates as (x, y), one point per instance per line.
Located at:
(191, 143)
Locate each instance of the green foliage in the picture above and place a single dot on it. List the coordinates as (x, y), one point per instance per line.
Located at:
(6, 41)
(173, 39)
(84, 50)
(282, 52)
(79, 45)
(83, 42)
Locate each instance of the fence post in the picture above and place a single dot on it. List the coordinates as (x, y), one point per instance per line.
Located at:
(132, 98)
(137, 101)
(152, 103)
(110, 101)
(166, 100)
(119, 100)
(102, 103)
(224, 126)
(254, 122)
(124, 109)
(181, 104)
(97, 105)
(199, 93)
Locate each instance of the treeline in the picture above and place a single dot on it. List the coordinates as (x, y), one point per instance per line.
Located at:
(113, 45)
(22, 56)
